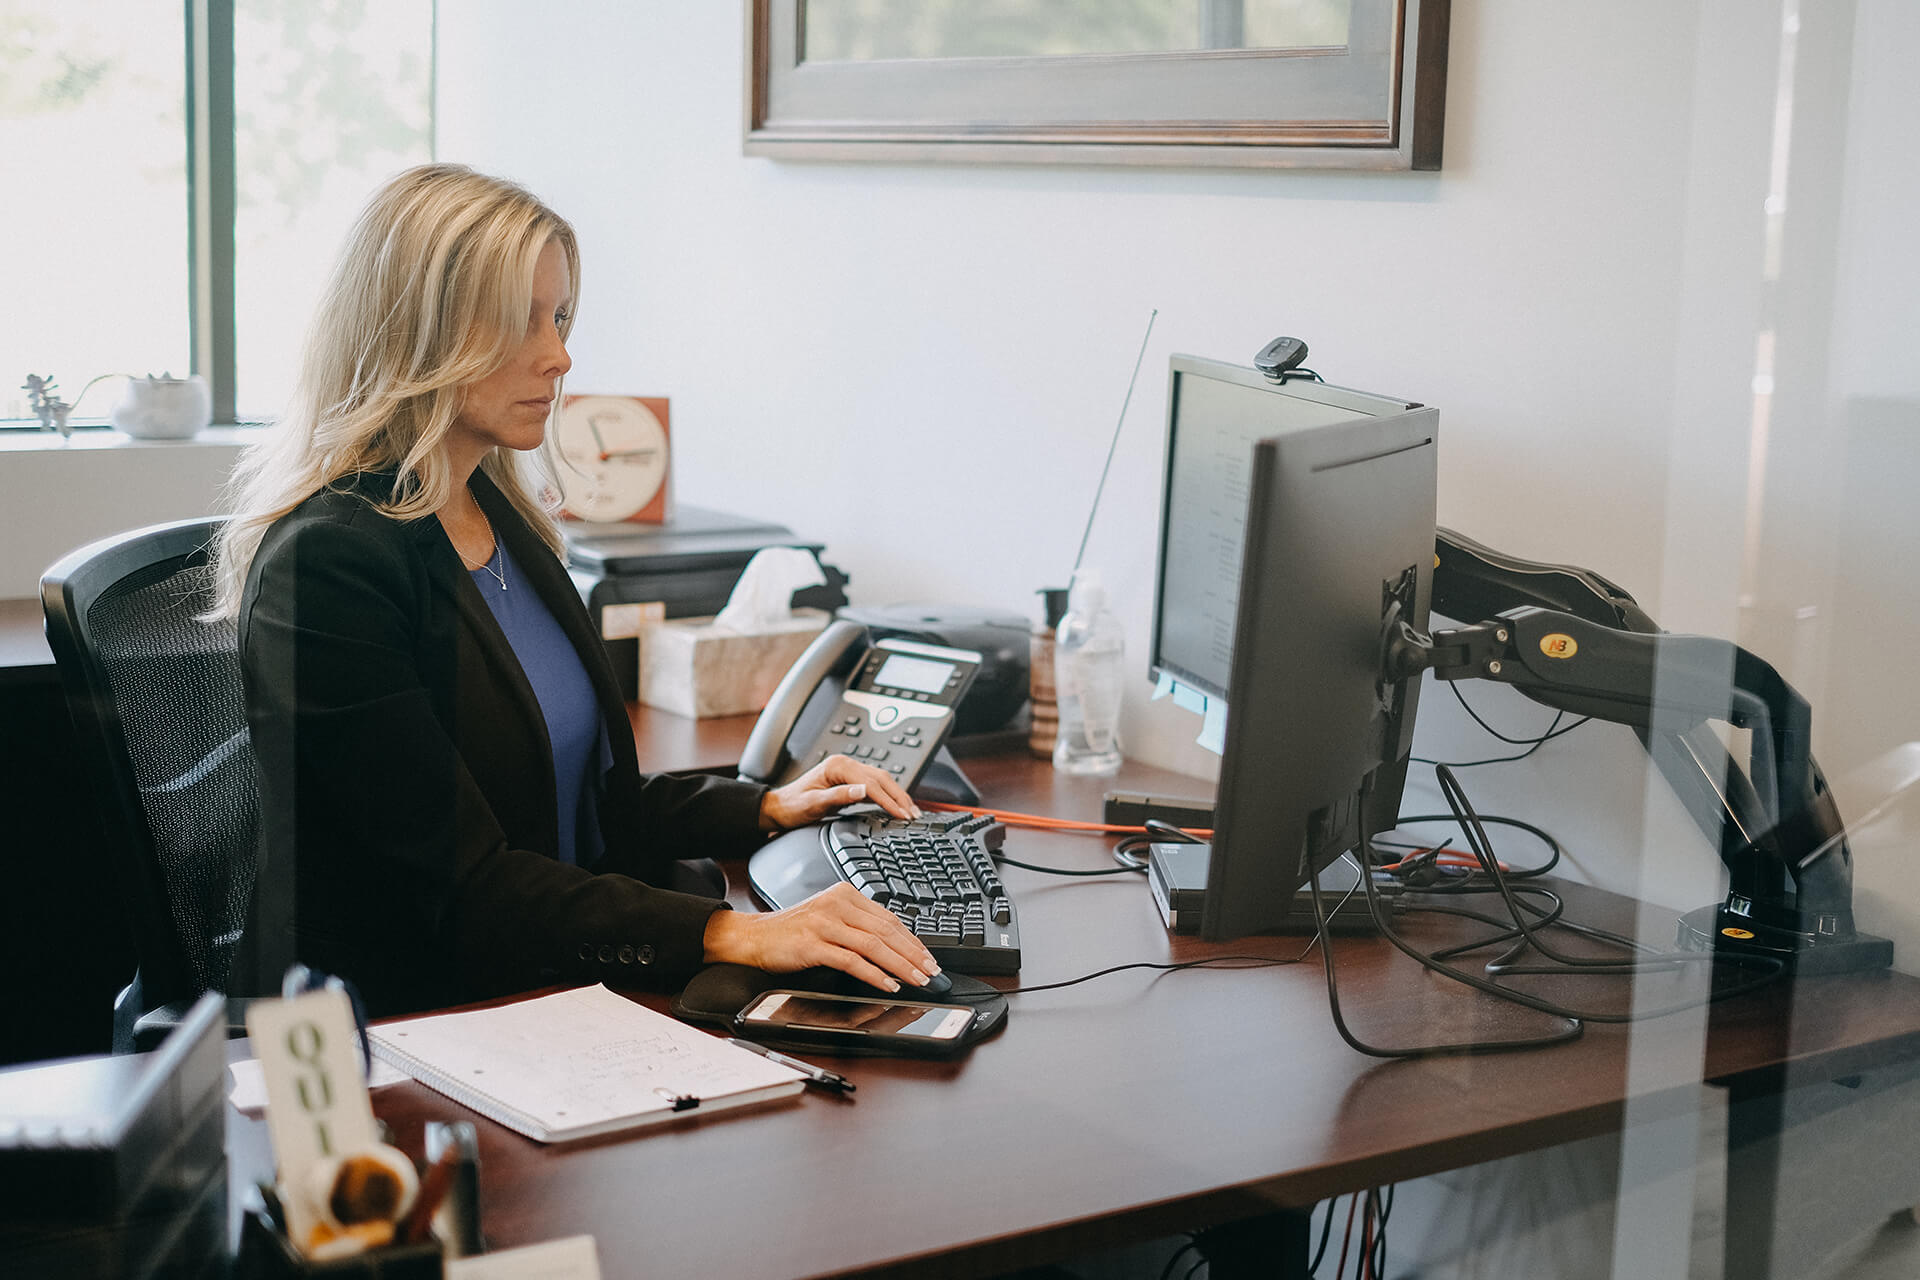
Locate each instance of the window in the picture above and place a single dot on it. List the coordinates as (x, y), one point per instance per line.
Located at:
(329, 99)
(195, 169)
(93, 114)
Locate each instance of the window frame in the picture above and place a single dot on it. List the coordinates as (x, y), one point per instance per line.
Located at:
(1378, 103)
(211, 199)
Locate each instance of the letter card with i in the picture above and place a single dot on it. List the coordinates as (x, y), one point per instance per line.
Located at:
(317, 1103)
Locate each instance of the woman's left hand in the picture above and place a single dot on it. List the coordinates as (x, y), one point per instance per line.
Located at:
(833, 784)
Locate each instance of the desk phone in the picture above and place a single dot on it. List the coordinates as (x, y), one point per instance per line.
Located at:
(896, 709)
(889, 702)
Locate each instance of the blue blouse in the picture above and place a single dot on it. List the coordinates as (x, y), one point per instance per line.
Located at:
(574, 724)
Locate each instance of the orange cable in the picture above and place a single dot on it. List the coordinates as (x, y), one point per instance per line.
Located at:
(1042, 822)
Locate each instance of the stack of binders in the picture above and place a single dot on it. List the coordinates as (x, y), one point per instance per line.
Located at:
(116, 1166)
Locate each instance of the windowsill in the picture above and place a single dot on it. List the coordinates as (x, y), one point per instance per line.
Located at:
(91, 440)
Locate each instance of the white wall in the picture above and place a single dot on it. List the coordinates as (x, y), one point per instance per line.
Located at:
(921, 364)
(830, 333)
(57, 497)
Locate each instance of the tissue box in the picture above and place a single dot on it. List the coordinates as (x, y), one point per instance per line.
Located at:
(691, 667)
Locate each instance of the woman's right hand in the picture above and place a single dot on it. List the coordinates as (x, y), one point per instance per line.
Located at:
(837, 927)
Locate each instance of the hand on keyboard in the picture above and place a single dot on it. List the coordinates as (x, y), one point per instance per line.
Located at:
(937, 874)
(828, 787)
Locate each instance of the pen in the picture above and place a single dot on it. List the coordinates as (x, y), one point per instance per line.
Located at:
(433, 1189)
(458, 1221)
(815, 1075)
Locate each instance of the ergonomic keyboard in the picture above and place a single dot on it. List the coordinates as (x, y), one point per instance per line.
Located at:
(936, 873)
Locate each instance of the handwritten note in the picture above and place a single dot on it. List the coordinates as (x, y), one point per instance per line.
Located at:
(573, 1063)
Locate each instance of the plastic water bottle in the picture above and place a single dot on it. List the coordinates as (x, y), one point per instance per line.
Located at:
(1088, 649)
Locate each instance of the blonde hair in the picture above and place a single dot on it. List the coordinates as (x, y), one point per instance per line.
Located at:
(431, 294)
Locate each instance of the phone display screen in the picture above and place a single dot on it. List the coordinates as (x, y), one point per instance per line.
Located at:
(917, 674)
(864, 1017)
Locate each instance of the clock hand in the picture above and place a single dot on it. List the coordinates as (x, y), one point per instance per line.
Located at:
(629, 453)
(593, 425)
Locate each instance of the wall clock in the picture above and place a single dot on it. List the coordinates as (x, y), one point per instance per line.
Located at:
(614, 459)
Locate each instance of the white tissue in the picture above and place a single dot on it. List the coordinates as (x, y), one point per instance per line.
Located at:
(763, 598)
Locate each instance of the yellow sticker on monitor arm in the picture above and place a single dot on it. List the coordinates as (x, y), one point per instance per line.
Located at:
(1742, 934)
(1559, 645)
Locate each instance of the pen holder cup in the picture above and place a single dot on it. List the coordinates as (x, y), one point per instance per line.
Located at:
(267, 1254)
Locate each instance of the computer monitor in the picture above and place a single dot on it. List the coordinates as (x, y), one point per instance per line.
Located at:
(1303, 513)
(1215, 414)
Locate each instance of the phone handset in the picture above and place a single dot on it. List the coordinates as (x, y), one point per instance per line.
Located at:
(766, 749)
(889, 704)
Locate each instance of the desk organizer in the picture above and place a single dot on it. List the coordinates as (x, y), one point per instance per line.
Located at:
(266, 1254)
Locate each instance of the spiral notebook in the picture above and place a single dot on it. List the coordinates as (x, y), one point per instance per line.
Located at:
(578, 1064)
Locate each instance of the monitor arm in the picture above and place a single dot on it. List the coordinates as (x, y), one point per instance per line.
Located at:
(1571, 640)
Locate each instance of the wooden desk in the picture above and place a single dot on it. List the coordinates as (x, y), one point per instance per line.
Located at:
(1132, 1106)
(24, 655)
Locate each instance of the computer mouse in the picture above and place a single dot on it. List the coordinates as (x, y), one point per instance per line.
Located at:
(938, 987)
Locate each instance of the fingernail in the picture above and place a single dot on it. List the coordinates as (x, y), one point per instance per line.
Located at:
(933, 969)
(858, 791)
(893, 984)
(916, 811)
(919, 979)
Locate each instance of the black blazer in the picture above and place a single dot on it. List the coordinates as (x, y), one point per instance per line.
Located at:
(408, 823)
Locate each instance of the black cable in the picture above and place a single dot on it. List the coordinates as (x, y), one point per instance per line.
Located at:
(1346, 1236)
(1381, 842)
(1128, 852)
(1571, 1032)
(1326, 1234)
(1476, 838)
(1542, 918)
(1166, 1272)
(1383, 1200)
(1066, 871)
(1548, 736)
(1474, 764)
(1532, 744)
(1524, 873)
(1508, 934)
(1211, 962)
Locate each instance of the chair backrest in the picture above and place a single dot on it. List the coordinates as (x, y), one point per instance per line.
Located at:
(156, 702)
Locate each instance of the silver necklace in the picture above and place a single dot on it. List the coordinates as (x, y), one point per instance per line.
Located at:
(498, 575)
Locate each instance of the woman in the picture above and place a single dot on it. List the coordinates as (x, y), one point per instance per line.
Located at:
(451, 804)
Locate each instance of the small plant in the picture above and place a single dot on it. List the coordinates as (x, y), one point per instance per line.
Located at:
(47, 406)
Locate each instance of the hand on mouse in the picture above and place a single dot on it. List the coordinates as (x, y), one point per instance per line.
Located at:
(836, 927)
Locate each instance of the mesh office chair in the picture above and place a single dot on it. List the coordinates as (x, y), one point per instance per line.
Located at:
(156, 703)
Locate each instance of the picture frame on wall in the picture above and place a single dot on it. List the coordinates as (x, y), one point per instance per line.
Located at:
(1333, 84)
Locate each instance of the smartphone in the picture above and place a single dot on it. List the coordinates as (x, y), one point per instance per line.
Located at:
(907, 1026)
